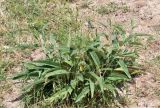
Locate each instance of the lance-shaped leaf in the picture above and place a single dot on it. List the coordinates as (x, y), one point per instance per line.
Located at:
(124, 67)
(55, 73)
(83, 93)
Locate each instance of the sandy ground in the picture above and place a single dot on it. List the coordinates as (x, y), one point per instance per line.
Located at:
(144, 92)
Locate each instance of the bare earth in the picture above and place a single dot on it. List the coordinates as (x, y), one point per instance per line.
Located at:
(145, 91)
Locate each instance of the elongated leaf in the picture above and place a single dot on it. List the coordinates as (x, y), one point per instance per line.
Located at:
(47, 71)
(100, 81)
(131, 36)
(91, 88)
(93, 45)
(80, 77)
(94, 75)
(140, 34)
(101, 84)
(68, 62)
(111, 88)
(45, 63)
(124, 67)
(130, 54)
(83, 93)
(29, 65)
(115, 43)
(95, 59)
(107, 69)
(20, 75)
(74, 83)
(57, 72)
(59, 95)
(115, 78)
(119, 69)
(29, 87)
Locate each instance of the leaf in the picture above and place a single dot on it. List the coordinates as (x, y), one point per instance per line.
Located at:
(136, 72)
(119, 69)
(107, 69)
(115, 78)
(47, 71)
(45, 63)
(115, 42)
(129, 54)
(69, 40)
(29, 65)
(101, 84)
(68, 62)
(74, 83)
(140, 34)
(91, 87)
(94, 75)
(20, 75)
(94, 45)
(133, 25)
(31, 86)
(80, 77)
(124, 67)
(57, 72)
(111, 88)
(100, 81)
(83, 93)
(131, 36)
(95, 59)
(60, 94)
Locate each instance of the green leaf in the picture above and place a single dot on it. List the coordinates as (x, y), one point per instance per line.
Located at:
(95, 59)
(140, 34)
(68, 62)
(124, 67)
(83, 93)
(80, 77)
(116, 78)
(129, 54)
(107, 69)
(91, 87)
(115, 42)
(20, 75)
(101, 84)
(94, 45)
(100, 81)
(29, 65)
(74, 83)
(57, 72)
(132, 36)
(119, 69)
(111, 88)
(94, 75)
(48, 71)
(58, 95)
(31, 86)
(45, 63)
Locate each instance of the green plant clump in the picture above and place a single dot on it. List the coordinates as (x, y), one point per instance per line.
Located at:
(81, 71)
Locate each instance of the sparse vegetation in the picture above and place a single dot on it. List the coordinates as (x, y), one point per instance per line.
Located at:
(80, 71)
(111, 8)
(85, 4)
(79, 68)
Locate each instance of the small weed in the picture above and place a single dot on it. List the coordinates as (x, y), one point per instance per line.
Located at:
(111, 8)
(85, 4)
